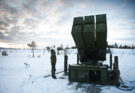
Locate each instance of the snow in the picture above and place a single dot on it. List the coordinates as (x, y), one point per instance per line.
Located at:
(20, 73)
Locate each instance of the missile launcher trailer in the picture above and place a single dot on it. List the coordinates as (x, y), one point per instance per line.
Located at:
(90, 36)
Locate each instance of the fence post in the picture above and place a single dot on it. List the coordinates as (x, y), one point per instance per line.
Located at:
(65, 64)
(77, 59)
(110, 61)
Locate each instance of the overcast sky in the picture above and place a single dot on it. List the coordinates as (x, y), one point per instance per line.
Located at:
(49, 22)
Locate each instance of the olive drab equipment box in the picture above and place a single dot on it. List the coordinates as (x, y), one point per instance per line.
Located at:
(89, 74)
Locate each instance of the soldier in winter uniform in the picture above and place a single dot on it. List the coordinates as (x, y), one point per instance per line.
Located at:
(115, 74)
(53, 63)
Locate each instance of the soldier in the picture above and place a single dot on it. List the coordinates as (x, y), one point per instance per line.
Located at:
(115, 74)
(53, 63)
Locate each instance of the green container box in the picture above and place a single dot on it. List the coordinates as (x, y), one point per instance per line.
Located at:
(101, 32)
(89, 74)
(88, 32)
(77, 36)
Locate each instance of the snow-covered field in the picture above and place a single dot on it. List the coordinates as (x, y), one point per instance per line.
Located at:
(17, 77)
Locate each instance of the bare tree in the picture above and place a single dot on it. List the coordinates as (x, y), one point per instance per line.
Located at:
(33, 46)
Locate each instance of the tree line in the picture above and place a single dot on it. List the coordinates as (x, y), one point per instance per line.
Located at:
(121, 46)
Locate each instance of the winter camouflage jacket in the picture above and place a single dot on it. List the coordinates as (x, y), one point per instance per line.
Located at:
(53, 58)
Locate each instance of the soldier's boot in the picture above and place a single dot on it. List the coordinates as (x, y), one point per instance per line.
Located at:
(54, 71)
(53, 74)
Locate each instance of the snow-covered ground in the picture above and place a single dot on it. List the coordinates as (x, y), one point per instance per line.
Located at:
(17, 77)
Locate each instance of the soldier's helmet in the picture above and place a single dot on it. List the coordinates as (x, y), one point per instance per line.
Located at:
(52, 51)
